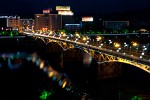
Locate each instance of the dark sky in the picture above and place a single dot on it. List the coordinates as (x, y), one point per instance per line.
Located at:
(78, 6)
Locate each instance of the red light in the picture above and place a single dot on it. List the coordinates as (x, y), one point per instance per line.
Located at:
(44, 28)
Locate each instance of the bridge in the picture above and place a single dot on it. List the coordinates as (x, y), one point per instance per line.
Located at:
(104, 49)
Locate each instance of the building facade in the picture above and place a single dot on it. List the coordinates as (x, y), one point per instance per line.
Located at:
(115, 25)
(13, 22)
(47, 21)
(55, 22)
(67, 15)
(10, 21)
(26, 24)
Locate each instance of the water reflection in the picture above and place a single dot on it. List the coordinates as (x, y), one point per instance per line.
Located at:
(55, 76)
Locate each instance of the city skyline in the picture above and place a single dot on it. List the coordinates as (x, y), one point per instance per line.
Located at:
(89, 6)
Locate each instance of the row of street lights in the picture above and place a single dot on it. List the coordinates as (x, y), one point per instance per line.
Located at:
(85, 39)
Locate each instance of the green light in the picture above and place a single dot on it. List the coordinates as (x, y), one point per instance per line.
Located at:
(4, 33)
(136, 98)
(17, 33)
(11, 33)
(45, 94)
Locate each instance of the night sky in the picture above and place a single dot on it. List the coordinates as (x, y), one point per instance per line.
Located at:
(78, 6)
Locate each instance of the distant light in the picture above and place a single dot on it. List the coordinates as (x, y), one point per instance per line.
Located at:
(87, 19)
(125, 45)
(63, 8)
(119, 48)
(50, 74)
(73, 24)
(65, 12)
(134, 44)
(116, 45)
(64, 84)
(41, 64)
(145, 48)
(45, 69)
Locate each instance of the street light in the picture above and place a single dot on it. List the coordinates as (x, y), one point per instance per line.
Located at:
(64, 35)
(134, 44)
(116, 44)
(84, 39)
(77, 35)
(99, 38)
(51, 32)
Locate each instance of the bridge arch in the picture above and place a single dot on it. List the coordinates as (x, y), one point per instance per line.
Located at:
(41, 38)
(39, 46)
(76, 62)
(54, 46)
(113, 59)
(125, 61)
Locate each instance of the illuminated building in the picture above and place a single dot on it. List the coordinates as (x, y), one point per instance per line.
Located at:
(47, 21)
(65, 8)
(10, 21)
(14, 22)
(39, 21)
(115, 25)
(67, 14)
(26, 24)
(87, 23)
(46, 11)
(87, 19)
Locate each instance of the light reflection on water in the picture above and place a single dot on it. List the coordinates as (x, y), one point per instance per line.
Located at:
(61, 79)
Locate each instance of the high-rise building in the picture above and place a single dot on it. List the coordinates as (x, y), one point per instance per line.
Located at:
(39, 21)
(47, 21)
(55, 22)
(67, 15)
(87, 23)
